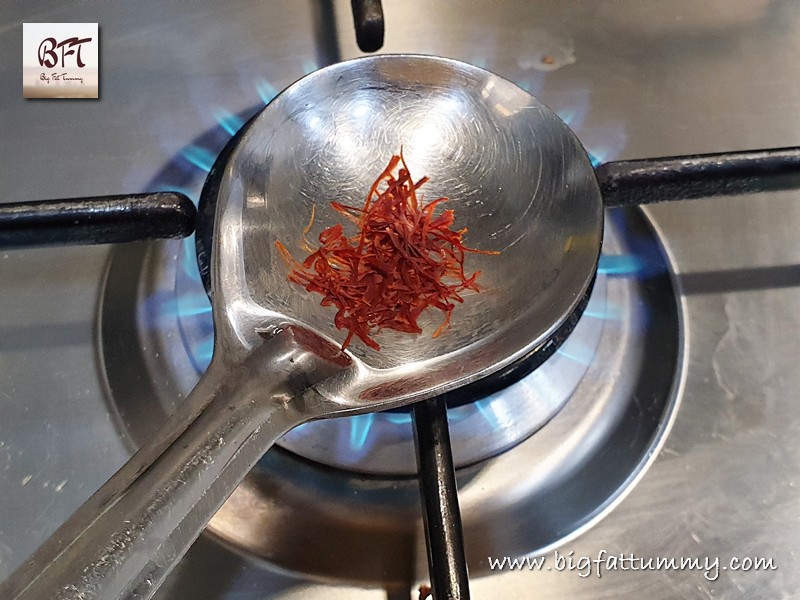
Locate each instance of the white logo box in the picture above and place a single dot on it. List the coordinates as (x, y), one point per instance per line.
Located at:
(60, 60)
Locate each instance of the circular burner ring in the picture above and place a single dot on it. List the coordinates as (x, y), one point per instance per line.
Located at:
(339, 525)
(294, 513)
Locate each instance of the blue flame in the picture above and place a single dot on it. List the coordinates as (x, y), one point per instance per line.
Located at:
(610, 312)
(186, 306)
(194, 311)
(458, 413)
(191, 194)
(188, 303)
(397, 418)
(603, 140)
(309, 66)
(626, 264)
(495, 413)
(580, 355)
(189, 260)
(360, 426)
(575, 108)
(572, 117)
(199, 157)
(533, 83)
(265, 91)
(228, 121)
(203, 352)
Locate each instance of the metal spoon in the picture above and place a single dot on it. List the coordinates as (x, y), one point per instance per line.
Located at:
(516, 175)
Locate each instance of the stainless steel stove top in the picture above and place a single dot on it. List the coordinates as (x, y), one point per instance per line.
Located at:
(633, 79)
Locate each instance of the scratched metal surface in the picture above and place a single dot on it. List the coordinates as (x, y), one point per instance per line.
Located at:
(635, 78)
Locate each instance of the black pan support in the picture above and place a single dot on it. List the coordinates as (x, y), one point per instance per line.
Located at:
(447, 563)
(135, 217)
(368, 21)
(646, 181)
(102, 220)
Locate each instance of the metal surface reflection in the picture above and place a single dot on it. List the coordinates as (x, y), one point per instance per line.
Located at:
(382, 443)
(517, 498)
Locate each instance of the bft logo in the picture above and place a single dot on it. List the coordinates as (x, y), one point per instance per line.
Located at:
(48, 57)
(60, 60)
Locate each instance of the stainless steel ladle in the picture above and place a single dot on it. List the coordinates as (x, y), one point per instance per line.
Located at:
(516, 176)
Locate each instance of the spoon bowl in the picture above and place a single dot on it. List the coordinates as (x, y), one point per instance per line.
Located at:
(515, 175)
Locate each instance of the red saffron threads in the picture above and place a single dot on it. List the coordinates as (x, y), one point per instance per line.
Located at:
(402, 260)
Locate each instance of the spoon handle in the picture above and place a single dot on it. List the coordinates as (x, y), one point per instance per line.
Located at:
(651, 180)
(127, 537)
(100, 220)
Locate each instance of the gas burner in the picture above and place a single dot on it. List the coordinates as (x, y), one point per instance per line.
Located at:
(485, 419)
(538, 461)
(564, 443)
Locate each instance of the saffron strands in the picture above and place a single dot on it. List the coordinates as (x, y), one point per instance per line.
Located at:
(402, 260)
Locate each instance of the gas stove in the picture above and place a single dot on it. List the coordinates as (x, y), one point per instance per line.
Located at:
(661, 428)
